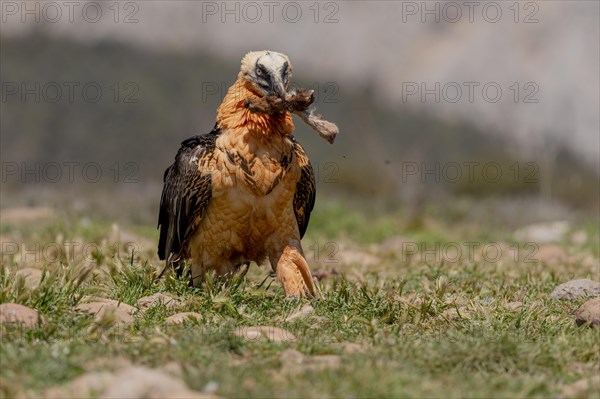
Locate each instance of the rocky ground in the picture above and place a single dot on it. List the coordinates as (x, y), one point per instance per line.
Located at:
(444, 311)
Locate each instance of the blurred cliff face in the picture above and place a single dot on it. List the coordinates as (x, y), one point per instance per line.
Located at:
(434, 100)
(528, 70)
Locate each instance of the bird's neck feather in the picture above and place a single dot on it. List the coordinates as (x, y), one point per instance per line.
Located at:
(235, 119)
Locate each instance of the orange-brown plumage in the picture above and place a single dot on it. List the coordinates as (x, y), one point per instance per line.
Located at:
(233, 114)
(244, 192)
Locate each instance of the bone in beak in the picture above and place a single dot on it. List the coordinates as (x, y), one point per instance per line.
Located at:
(297, 102)
(326, 129)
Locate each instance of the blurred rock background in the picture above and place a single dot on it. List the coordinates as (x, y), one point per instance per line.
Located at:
(114, 87)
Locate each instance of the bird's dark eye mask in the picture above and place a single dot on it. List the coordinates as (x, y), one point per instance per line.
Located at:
(262, 71)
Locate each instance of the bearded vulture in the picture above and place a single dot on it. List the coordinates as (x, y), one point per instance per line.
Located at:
(243, 192)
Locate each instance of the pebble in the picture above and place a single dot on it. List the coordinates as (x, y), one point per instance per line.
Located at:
(133, 382)
(149, 301)
(292, 361)
(352, 347)
(265, 333)
(589, 313)
(173, 368)
(180, 318)
(108, 309)
(306, 310)
(31, 276)
(13, 313)
(550, 253)
(584, 388)
(321, 274)
(574, 289)
(579, 238)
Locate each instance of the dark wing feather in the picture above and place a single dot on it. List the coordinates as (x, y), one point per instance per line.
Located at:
(304, 199)
(185, 196)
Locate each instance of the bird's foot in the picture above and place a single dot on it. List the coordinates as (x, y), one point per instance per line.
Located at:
(293, 273)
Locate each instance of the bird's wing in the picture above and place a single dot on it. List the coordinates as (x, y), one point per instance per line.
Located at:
(304, 198)
(185, 197)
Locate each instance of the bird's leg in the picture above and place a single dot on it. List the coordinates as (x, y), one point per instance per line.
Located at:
(198, 272)
(201, 262)
(292, 271)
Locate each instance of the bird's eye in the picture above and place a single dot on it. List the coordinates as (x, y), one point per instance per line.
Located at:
(259, 71)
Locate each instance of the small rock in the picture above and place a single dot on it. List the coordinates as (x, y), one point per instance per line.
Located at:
(249, 384)
(542, 233)
(579, 238)
(173, 368)
(352, 347)
(326, 361)
(291, 356)
(589, 313)
(107, 363)
(13, 313)
(131, 310)
(262, 333)
(321, 274)
(180, 318)
(584, 388)
(108, 310)
(292, 360)
(81, 387)
(305, 311)
(589, 261)
(550, 254)
(574, 289)
(149, 301)
(32, 277)
(580, 368)
(134, 382)
(211, 387)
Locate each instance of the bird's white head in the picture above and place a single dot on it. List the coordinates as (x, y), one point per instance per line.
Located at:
(266, 73)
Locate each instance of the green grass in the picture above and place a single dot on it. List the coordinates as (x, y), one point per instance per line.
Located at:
(397, 311)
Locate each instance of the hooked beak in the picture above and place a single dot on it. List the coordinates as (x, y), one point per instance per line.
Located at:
(275, 87)
(279, 89)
